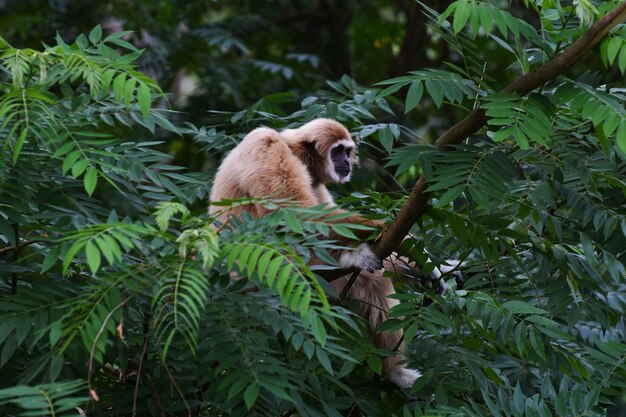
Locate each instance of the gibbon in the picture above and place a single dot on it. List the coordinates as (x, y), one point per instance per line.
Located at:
(296, 164)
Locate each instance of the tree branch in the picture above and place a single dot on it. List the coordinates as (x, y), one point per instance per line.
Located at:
(22, 244)
(416, 204)
(417, 201)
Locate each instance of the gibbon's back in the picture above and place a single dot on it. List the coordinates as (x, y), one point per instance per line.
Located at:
(232, 171)
(256, 168)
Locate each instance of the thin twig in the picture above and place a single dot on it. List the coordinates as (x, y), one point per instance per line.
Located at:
(95, 341)
(16, 257)
(348, 285)
(24, 243)
(146, 338)
(158, 404)
(173, 381)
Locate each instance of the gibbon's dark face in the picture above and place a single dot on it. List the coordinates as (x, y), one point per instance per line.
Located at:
(340, 156)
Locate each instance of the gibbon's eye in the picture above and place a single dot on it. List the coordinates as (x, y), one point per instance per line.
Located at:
(338, 151)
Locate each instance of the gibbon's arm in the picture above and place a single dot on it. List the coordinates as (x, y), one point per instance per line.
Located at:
(323, 195)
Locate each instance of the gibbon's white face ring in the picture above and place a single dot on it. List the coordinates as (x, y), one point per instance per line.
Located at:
(348, 144)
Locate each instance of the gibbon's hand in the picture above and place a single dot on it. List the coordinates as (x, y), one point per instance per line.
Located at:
(361, 257)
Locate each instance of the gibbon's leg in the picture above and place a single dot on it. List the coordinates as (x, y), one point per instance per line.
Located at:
(371, 291)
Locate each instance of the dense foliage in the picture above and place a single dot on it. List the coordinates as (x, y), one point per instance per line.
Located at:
(118, 297)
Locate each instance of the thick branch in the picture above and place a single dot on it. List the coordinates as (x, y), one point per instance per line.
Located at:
(416, 203)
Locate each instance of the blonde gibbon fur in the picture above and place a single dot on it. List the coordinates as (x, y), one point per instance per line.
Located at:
(296, 164)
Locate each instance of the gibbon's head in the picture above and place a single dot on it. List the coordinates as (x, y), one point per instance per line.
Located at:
(326, 148)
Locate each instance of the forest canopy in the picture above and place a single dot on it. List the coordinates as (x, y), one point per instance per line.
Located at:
(489, 133)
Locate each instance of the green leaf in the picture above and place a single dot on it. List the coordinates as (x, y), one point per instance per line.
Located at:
(105, 82)
(344, 231)
(115, 38)
(413, 96)
(272, 270)
(284, 278)
(105, 249)
(292, 222)
(65, 148)
(50, 259)
(118, 87)
(503, 134)
(91, 179)
(319, 331)
(144, 99)
(461, 15)
(450, 195)
(520, 338)
(93, 256)
(296, 296)
(521, 307)
(537, 344)
(386, 138)
(486, 18)
(435, 89)
(113, 246)
(620, 136)
(520, 138)
(324, 360)
(518, 400)
(95, 35)
(81, 41)
(613, 47)
(237, 387)
(374, 362)
(474, 19)
(252, 261)
(305, 302)
(610, 124)
(622, 59)
(251, 394)
(69, 160)
(56, 331)
(79, 167)
(129, 91)
(263, 263)
(332, 110)
(19, 143)
(308, 348)
(56, 365)
(71, 253)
